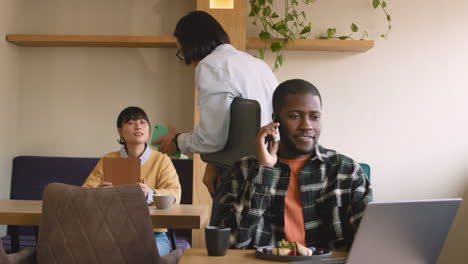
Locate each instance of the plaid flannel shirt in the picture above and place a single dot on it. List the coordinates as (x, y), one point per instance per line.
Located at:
(334, 193)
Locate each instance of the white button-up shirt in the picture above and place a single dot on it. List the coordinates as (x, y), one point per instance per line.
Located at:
(221, 76)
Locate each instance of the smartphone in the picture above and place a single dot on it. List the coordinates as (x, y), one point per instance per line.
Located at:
(269, 139)
(276, 120)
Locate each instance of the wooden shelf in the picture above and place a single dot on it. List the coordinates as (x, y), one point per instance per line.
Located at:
(92, 41)
(319, 44)
(170, 42)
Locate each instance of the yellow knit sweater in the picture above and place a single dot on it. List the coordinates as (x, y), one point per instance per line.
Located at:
(158, 171)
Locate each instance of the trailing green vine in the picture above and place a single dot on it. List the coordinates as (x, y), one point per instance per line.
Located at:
(280, 29)
(354, 28)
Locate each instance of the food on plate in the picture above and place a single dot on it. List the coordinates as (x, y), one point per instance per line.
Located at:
(303, 251)
(281, 251)
(284, 248)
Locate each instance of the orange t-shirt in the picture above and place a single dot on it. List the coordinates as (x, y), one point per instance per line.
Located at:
(293, 214)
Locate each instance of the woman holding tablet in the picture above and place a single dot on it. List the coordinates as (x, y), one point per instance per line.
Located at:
(158, 174)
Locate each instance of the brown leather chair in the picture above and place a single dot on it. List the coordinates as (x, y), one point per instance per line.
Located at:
(91, 226)
(25, 256)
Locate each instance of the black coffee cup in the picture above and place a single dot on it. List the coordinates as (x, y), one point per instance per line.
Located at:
(217, 240)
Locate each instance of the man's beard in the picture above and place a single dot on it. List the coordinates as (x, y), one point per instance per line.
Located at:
(295, 150)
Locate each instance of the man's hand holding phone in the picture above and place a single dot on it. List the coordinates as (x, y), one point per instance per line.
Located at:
(267, 144)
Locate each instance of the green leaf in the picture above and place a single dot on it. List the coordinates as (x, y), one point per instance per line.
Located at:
(294, 13)
(278, 63)
(265, 35)
(384, 4)
(375, 3)
(389, 18)
(289, 17)
(261, 2)
(365, 35)
(343, 37)
(280, 59)
(331, 32)
(254, 11)
(279, 25)
(283, 44)
(354, 28)
(303, 14)
(305, 30)
(274, 15)
(283, 32)
(275, 46)
(267, 11)
(261, 52)
(382, 36)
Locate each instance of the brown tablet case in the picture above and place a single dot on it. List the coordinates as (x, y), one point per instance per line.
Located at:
(122, 171)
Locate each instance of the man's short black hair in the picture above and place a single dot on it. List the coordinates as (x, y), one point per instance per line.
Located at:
(294, 86)
(131, 113)
(198, 34)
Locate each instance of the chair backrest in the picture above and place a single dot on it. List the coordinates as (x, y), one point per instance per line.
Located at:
(243, 129)
(366, 169)
(104, 225)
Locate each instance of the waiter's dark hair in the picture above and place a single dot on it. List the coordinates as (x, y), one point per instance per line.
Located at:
(198, 34)
(131, 113)
(294, 86)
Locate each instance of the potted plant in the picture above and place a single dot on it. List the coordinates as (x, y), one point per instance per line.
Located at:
(277, 30)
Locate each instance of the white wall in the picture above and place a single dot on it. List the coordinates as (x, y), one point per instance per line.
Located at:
(405, 96)
(9, 87)
(70, 97)
(399, 107)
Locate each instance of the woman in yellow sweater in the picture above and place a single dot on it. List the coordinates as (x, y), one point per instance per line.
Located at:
(158, 174)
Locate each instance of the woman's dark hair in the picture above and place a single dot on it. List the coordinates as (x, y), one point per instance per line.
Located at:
(130, 113)
(294, 86)
(198, 34)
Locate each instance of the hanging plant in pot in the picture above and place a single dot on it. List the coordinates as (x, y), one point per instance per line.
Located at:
(279, 30)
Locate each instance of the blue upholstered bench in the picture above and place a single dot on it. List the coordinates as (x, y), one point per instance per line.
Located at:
(30, 175)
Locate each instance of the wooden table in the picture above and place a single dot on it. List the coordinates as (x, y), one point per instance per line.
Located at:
(200, 256)
(183, 216)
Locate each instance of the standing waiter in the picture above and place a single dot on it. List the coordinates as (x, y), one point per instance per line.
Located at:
(222, 73)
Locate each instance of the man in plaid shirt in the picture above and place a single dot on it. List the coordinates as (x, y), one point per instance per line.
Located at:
(294, 189)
